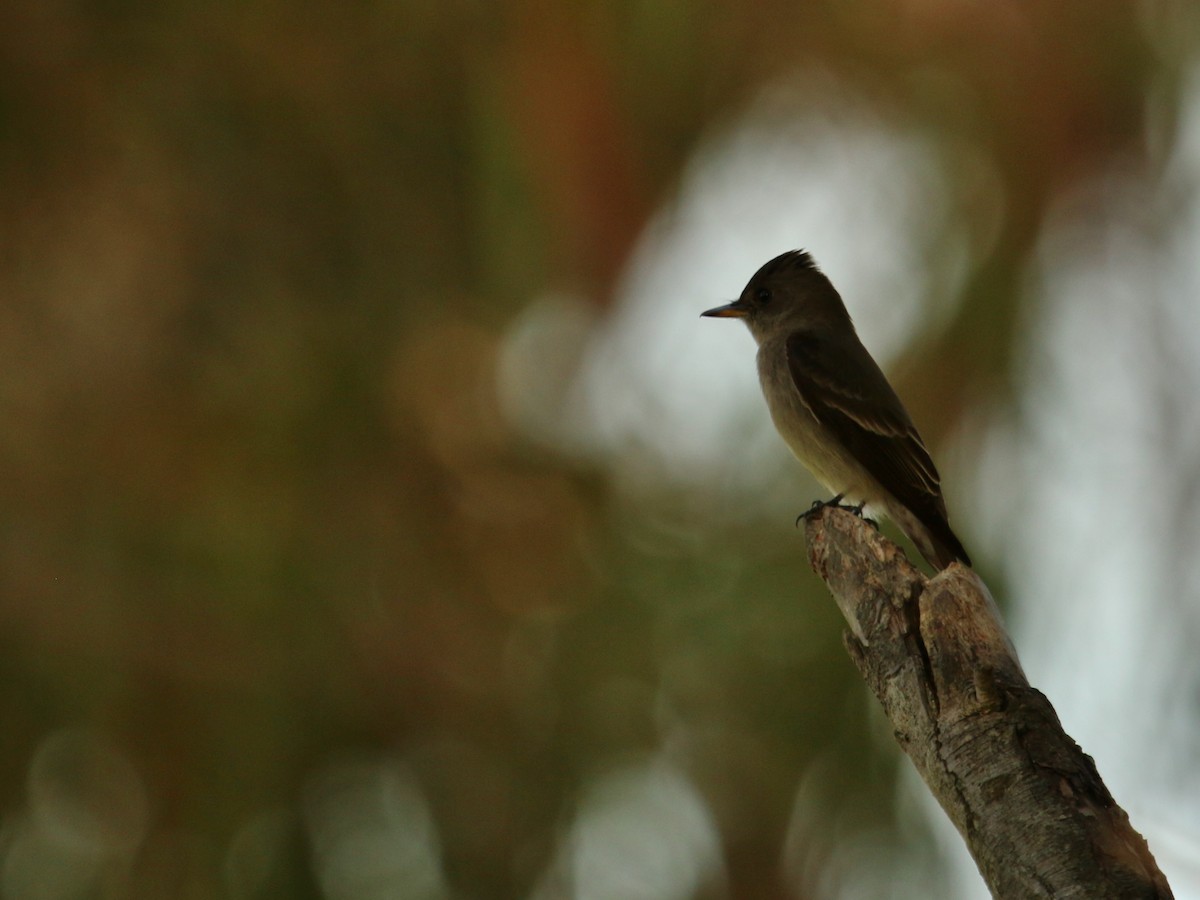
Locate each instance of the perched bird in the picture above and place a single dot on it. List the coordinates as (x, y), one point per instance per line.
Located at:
(834, 407)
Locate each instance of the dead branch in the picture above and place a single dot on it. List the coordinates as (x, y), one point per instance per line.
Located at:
(1027, 800)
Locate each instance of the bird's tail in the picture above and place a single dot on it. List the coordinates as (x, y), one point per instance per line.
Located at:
(944, 547)
(932, 536)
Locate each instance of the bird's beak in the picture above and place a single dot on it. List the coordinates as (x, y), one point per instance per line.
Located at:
(734, 310)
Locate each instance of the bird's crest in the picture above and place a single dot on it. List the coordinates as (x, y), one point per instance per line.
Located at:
(793, 260)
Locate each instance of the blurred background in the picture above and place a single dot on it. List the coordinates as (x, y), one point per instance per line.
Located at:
(378, 519)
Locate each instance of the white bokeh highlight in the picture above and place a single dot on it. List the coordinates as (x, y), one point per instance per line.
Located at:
(642, 832)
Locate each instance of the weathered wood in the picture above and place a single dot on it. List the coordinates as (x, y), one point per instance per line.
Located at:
(1027, 800)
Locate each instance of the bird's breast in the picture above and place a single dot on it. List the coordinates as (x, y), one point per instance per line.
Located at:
(810, 441)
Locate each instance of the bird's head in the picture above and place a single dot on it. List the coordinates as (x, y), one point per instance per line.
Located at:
(788, 293)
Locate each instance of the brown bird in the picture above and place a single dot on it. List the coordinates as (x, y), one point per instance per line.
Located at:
(833, 406)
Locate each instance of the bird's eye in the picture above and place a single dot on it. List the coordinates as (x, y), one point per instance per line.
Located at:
(763, 296)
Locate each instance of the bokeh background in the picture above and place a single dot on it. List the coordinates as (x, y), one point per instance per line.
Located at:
(379, 520)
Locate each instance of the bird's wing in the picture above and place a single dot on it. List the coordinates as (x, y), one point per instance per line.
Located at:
(845, 390)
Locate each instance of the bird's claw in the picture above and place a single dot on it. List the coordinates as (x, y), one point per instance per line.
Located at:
(818, 505)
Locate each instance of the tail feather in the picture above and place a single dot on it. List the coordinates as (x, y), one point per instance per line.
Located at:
(931, 535)
(945, 546)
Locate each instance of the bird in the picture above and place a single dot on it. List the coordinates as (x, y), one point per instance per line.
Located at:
(834, 407)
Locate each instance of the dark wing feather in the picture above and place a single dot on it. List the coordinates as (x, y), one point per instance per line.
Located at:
(844, 389)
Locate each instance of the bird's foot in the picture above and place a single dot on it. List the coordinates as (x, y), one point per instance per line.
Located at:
(835, 502)
(858, 511)
(818, 505)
